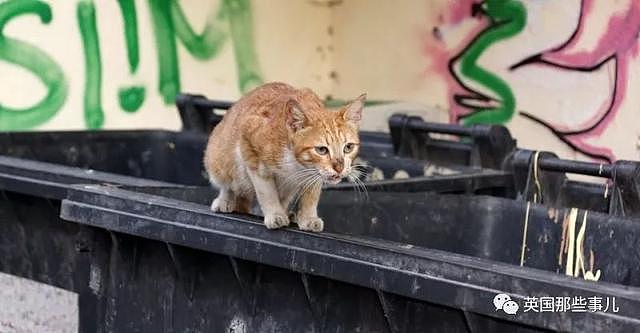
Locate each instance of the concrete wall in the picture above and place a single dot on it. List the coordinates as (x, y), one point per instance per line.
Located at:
(560, 74)
(119, 64)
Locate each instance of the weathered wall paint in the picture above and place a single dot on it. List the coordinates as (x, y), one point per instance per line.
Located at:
(130, 22)
(507, 19)
(616, 44)
(93, 113)
(242, 35)
(227, 22)
(131, 97)
(36, 62)
(169, 23)
(559, 74)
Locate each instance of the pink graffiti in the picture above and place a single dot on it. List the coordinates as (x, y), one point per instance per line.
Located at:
(619, 43)
(440, 53)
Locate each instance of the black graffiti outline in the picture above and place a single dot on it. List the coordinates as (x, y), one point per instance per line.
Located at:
(564, 139)
(564, 44)
(539, 59)
(614, 92)
(476, 10)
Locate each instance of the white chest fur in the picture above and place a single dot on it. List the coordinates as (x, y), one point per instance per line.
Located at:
(289, 163)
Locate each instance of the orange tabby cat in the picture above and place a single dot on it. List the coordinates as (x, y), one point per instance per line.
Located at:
(278, 143)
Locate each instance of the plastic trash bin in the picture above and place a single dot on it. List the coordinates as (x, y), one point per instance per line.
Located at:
(400, 262)
(414, 156)
(38, 168)
(36, 171)
(542, 177)
(111, 271)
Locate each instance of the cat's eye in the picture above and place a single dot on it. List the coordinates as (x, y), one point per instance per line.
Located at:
(348, 148)
(322, 150)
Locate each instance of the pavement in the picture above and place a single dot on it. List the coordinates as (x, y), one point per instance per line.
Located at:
(30, 307)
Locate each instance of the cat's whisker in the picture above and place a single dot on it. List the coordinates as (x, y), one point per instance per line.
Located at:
(295, 179)
(304, 181)
(362, 166)
(359, 185)
(306, 185)
(355, 186)
(361, 169)
(364, 189)
(357, 173)
(302, 172)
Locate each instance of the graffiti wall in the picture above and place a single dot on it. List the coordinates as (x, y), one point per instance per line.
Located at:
(560, 74)
(88, 64)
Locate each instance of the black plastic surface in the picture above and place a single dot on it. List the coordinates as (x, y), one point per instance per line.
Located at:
(152, 257)
(387, 260)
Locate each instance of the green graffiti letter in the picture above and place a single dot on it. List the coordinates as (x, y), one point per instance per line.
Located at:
(169, 80)
(130, 21)
(36, 62)
(202, 46)
(241, 21)
(170, 22)
(131, 98)
(86, 15)
(508, 18)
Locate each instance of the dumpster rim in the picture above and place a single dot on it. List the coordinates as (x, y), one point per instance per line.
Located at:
(73, 204)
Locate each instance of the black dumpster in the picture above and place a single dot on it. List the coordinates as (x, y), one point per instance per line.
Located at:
(410, 136)
(38, 168)
(136, 256)
(542, 177)
(413, 157)
(400, 262)
(176, 157)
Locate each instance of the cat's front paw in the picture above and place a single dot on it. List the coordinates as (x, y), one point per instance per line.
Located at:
(275, 221)
(314, 224)
(223, 205)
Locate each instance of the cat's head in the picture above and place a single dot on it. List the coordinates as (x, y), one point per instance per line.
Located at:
(325, 140)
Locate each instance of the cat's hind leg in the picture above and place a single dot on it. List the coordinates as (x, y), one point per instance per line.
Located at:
(226, 202)
(244, 203)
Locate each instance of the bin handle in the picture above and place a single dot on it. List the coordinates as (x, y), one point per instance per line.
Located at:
(604, 170)
(196, 112)
(623, 189)
(202, 102)
(419, 125)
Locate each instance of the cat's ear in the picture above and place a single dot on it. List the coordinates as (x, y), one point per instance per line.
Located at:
(352, 112)
(296, 118)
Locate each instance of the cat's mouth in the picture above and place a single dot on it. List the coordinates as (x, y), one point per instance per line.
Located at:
(333, 179)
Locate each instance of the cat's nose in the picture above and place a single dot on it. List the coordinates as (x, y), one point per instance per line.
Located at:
(338, 167)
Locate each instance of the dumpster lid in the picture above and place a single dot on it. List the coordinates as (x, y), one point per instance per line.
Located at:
(52, 180)
(450, 279)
